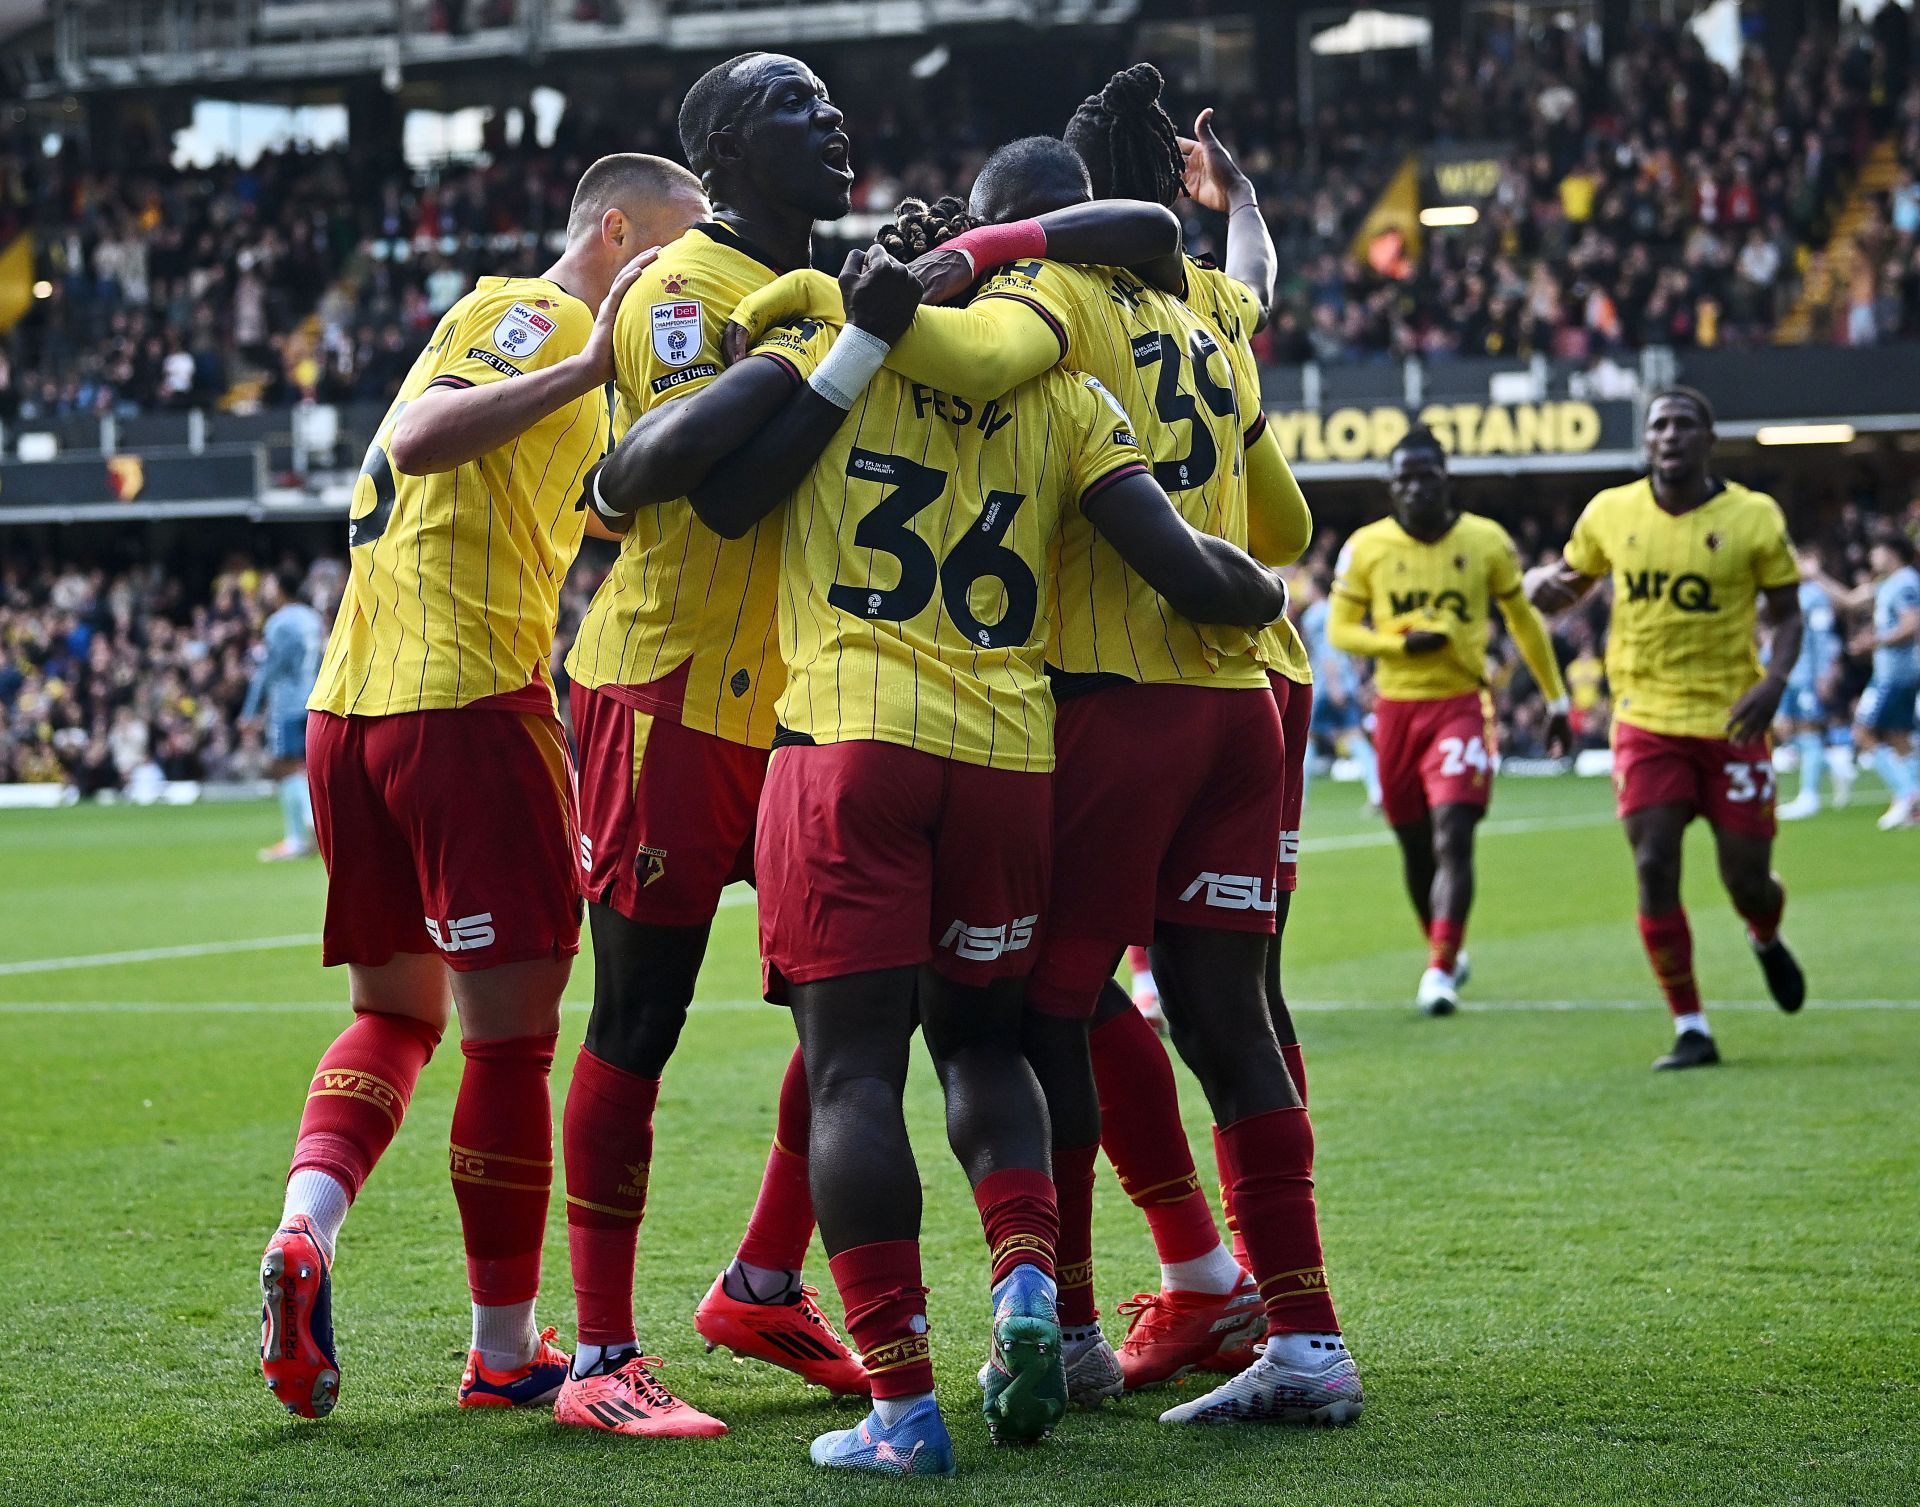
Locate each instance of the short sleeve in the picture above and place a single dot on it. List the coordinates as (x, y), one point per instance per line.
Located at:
(1773, 562)
(1105, 449)
(666, 339)
(1051, 291)
(1503, 563)
(1353, 571)
(494, 333)
(1585, 551)
(798, 345)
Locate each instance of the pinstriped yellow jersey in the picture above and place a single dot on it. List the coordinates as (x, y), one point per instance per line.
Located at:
(1167, 368)
(1447, 587)
(1229, 306)
(1680, 647)
(679, 594)
(917, 554)
(454, 579)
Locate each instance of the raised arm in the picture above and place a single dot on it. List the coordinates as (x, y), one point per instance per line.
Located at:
(1214, 180)
(1754, 712)
(1204, 579)
(1098, 233)
(445, 427)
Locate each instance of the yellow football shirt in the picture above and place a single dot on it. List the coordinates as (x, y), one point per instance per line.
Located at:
(454, 579)
(1229, 306)
(1448, 586)
(1680, 647)
(918, 556)
(1169, 372)
(679, 594)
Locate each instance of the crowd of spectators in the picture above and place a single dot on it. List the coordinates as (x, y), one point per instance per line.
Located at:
(117, 680)
(1645, 197)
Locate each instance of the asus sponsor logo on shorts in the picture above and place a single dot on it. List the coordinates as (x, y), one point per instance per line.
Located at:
(1233, 892)
(682, 377)
(464, 935)
(498, 363)
(984, 944)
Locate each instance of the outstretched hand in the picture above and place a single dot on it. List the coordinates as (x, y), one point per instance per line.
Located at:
(597, 353)
(1209, 172)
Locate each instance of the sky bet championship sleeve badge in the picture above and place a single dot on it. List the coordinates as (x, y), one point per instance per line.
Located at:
(676, 331)
(521, 331)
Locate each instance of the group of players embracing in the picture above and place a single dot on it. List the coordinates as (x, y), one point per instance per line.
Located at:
(946, 610)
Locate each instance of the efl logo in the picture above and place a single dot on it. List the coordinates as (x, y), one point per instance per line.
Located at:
(464, 935)
(1232, 892)
(983, 944)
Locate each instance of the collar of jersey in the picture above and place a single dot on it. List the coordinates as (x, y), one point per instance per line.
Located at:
(727, 236)
(1721, 489)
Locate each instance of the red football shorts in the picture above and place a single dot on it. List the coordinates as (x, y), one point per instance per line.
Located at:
(1295, 701)
(875, 856)
(1433, 753)
(666, 814)
(1730, 784)
(447, 831)
(1167, 807)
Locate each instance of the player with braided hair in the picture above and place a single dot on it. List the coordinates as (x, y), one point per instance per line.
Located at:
(1127, 139)
(919, 227)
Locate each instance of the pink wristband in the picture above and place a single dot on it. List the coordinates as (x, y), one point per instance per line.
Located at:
(992, 246)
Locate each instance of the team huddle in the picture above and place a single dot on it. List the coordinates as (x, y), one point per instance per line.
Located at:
(948, 612)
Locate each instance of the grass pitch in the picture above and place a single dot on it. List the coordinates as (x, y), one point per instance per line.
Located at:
(1566, 1279)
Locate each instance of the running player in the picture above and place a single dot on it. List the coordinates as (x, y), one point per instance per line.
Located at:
(1805, 713)
(290, 643)
(1689, 552)
(1198, 759)
(1883, 722)
(463, 524)
(676, 672)
(1428, 578)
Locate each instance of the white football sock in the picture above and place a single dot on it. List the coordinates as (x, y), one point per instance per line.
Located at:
(504, 1335)
(323, 1199)
(1304, 1352)
(1693, 1020)
(1215, 1272)
(589, 1358)
(893, 1409)
(747, 1283)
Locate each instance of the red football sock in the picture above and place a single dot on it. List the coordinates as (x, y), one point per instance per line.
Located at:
(501, 1160)
(607, 1132)
(359, 1095)
(1272, 1159)
(1669, 943)
(1764, 925)
(1021, 1216)
(1073, 1186)
(781, 1225)
(1444, 937)
(1141, 1132)
(1226, 1200)
(887, 1314)
(1296, 1056)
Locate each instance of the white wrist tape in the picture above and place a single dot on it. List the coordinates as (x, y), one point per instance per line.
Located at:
(611, 514)
(848, 366)
(1286, 597)
(1559, 706)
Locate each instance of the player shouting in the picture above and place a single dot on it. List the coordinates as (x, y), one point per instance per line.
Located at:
(1428, 578)
(903, 838)
(1689, 552)
(463, 524)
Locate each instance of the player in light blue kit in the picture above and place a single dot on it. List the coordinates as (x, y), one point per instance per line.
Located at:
(1336, 695)
(1883, 722)
(1806, 711)
(288, 663)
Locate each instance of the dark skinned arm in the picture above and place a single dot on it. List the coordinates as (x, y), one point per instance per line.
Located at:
(1099, 233)
(1204, 579)
(782, 427)
(1754, 712)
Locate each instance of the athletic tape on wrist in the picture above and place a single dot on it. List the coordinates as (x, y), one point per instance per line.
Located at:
(612, 515)
(989, 246)
(848, 366)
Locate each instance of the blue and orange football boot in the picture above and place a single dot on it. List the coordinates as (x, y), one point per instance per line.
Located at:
(296, 1321)
(917, 1445)
(533, 1385)
(797, 1336)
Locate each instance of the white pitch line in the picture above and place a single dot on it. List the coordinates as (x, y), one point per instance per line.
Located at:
(157, 954)
(709, 1006)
